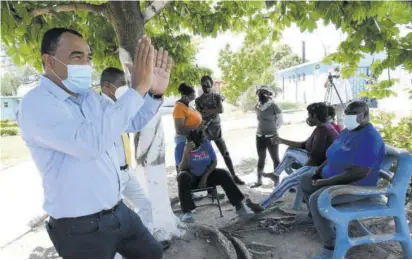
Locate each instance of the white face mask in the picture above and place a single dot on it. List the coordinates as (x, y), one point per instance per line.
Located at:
(350, 121)
(79, 77)
(120, 92)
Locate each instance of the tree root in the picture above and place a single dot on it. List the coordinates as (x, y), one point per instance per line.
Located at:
(222, 243)
(260, 254)
(241, 249)
(260, 246)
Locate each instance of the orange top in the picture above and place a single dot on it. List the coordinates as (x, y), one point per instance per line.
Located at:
(191, 116)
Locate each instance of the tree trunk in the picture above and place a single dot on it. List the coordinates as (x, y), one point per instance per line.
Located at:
(127, 20)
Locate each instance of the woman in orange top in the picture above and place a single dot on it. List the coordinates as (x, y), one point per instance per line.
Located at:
(185, 116)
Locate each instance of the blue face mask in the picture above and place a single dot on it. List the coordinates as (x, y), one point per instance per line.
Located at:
(79, 77)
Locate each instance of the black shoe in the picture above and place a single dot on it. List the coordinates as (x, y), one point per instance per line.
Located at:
(165, 244)
(257, 184)
(255, 207)
(237, 180)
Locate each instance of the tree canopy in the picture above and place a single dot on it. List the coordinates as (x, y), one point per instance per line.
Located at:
(254, 64)
(371, 26)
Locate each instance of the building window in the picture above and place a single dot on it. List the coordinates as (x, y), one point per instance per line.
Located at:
(298, 77)
(290, 79)
(303, 77)
(6, 104)
(293, 78)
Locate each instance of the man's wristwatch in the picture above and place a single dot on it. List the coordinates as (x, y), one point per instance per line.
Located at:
(160, 96)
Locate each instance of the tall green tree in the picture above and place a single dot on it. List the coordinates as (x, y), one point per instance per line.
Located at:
(254, 64)
(9, 84)
(371, 26)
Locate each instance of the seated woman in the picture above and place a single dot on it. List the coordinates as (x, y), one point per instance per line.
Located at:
(332, 119)
(354, 158)
(184, 114)
(297, 155)
(269, 118)
(316, 146)
(196, 162)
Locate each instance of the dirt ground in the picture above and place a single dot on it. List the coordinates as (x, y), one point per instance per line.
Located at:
(298, 242)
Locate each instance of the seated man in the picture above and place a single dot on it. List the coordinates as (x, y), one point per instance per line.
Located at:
(317, 144)
(196, 162)
(354, 158)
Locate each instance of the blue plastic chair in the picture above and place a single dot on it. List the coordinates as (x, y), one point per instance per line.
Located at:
(387, 201)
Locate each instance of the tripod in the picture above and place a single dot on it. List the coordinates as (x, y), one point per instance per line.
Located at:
(328, 95)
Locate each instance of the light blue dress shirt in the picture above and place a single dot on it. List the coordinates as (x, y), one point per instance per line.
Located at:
(72, 141)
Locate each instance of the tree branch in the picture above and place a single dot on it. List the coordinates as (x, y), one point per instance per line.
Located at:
(154, 8)
(70, 7)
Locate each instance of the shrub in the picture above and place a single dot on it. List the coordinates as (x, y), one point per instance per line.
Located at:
(9, 131)
(7, 123)
(397, 135)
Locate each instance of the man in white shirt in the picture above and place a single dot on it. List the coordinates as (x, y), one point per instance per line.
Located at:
(344, 89)
(113, 85)
(70, 131)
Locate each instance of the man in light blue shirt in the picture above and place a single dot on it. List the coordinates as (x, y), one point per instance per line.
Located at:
(71, 130)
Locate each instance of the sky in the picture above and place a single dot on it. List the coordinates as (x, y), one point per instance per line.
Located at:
(326, 36)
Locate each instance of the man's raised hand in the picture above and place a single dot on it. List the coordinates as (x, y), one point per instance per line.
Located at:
(142, 71)
(161, 71)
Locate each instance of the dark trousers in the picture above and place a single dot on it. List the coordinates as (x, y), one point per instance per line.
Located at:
(221, 145)
(262, 144)
(101, 235)
(187, 182)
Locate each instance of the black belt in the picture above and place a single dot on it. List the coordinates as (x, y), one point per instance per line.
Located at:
(124, 167)
(103, 212)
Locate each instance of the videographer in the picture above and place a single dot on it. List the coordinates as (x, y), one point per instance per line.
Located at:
(340, 94)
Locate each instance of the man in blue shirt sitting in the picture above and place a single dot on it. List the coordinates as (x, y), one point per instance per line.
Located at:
(71, 130)
(197, 162)
(354, 158)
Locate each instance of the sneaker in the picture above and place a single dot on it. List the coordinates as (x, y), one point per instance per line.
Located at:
(254, 206)
(244, 211)
(238, 181)
(188, 218)
(324, 254)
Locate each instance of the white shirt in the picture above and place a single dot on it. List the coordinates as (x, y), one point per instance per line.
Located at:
(118, 142)
(71, 142)
(344, 89)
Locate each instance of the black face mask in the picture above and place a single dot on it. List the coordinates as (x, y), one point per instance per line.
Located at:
(206, 89)
(206, 86)
(263, 98)
(310, 122)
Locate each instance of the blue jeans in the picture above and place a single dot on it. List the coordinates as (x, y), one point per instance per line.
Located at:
(101, 235)
(289, 182)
